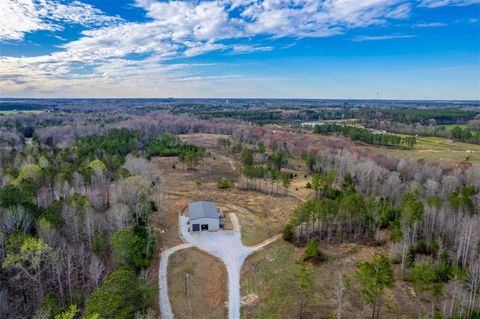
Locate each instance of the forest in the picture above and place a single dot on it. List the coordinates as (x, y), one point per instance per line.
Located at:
(80, 187)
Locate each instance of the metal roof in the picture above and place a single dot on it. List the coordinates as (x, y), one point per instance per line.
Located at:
(202, 209)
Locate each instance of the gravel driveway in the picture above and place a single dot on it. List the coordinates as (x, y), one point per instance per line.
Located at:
(228, 247)
(224, 244)
(165, 307)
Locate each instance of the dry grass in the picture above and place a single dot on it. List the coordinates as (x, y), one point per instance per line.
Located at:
(207, 285)
(261, 216)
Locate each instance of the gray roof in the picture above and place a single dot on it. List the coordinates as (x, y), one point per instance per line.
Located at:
(202, 209)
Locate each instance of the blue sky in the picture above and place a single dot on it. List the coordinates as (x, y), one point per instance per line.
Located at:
(391, 49)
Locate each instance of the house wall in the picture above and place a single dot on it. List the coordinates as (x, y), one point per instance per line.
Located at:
(213, 223)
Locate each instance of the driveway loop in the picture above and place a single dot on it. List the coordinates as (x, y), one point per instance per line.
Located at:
(224, 244)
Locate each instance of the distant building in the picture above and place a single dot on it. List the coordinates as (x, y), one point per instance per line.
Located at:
(204, 215)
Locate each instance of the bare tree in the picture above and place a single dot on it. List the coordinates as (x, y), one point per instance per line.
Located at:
(16, 218)
(340, 296)
(96, 270)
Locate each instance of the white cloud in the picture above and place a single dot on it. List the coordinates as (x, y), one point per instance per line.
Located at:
(198, 48)
(442, 3)
(23, 16)
(244, 49)
(362, 38)
(429, 24)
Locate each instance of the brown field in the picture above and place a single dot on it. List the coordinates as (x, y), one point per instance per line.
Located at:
(261, 216)
(206, 295)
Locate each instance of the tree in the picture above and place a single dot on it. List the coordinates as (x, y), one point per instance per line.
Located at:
(134, 192)
(192, 156)
(68, 314)
(33, 259)
(322, 184)
(120, 297)
(423, 276)
(97, 166)
(373, 277)
(310, 162)
(288, 232)
(246, 158)
(16, 219)
(305, 276)
(312, 253)
(130, 250)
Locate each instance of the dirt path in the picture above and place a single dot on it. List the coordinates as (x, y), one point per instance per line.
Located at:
(164, 302)
(266, 242)
(235, 222)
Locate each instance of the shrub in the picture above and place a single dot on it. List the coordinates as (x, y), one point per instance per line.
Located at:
(288, 233)
(224, 184)
(313, 253)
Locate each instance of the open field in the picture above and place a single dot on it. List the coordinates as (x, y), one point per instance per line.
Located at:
(435, 148)
(450, 127)
(12, 112)
(271, 287)
(206, 296)
(261, 216)
(427, 148)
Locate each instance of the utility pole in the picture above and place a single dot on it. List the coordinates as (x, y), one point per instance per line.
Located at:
(186, 277)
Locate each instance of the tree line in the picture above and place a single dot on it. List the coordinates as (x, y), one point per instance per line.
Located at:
(364, 135)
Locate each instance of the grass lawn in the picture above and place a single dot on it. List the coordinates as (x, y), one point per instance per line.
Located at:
(207, 285)
(450, 127)
(7, 112)
(435, 148)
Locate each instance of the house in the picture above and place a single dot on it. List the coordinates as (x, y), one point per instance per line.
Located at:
(204, 215)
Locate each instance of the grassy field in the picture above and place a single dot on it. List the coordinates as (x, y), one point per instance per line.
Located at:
(271, 287)
(12, 112)
(206, 296)
(435, 148)
(450, 127)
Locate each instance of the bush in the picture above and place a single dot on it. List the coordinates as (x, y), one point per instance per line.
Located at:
(313, 253)
(224, 184)
(288, 232)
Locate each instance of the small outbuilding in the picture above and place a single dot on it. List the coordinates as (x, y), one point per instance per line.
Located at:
(204, 215)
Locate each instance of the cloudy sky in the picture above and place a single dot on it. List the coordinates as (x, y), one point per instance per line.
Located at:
(418, 49)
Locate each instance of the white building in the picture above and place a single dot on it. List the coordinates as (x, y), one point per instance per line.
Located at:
(204, 215)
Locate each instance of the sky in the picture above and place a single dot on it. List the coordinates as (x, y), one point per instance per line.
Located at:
(346, 49)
